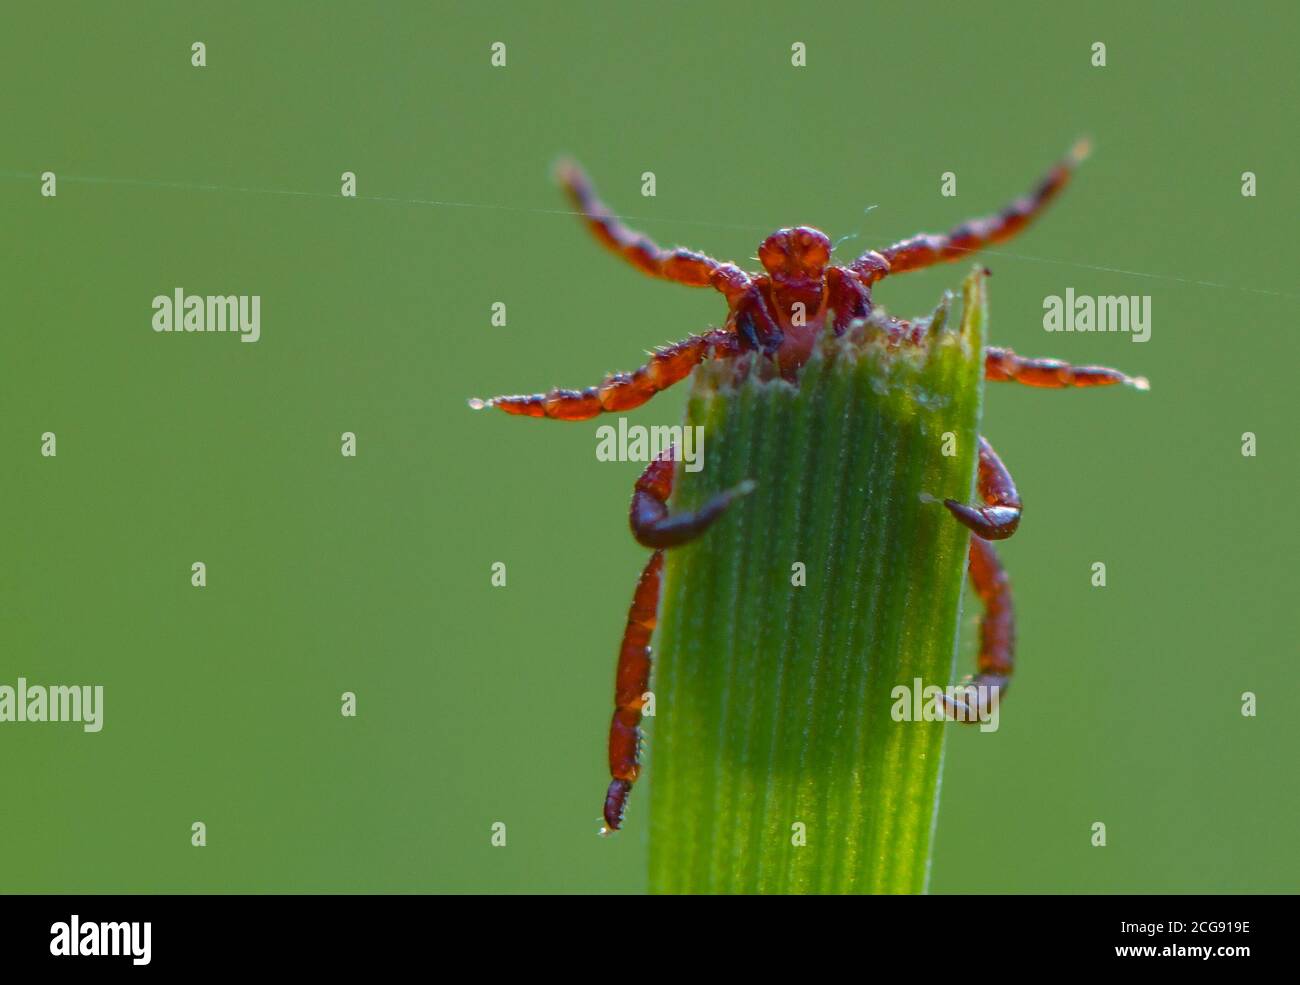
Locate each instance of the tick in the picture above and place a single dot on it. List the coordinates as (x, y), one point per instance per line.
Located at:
(779, 315)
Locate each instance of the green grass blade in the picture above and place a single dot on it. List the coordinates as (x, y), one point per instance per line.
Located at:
(773, 702)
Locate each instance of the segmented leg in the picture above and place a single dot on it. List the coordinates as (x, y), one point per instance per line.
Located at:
(1003, 365)
(620, 391)
(999, 518)
(927, 249)
(997, 634)
(847, 295)
(653, 527)
(679, 265)
(631, 683)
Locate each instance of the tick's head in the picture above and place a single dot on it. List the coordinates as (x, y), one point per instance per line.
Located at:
(800, 253)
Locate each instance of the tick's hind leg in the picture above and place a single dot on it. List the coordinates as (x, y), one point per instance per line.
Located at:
(682, 266)
(631, 684)
(1000, 517)
(654, 527)
(928, 249)
(621, 391)
(1003, 365)
(997, 635)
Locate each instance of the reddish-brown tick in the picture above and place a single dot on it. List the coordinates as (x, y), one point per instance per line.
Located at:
(779, 314)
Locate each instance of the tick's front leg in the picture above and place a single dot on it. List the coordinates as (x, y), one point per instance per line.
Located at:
(928, 249)
(1000, 517)
(653, 526)
(682, 266)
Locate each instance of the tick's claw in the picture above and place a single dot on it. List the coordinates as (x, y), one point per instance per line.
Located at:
(999, 519)
(615, 805)
(990, 523)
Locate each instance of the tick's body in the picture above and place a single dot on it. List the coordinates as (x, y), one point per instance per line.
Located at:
(780, 314)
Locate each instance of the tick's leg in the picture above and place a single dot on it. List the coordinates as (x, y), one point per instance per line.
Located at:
(753, 323)
(850, 299)
(997, 635)
(683, 266)
(999, 518)
(631, 683)
(1003, 365)
(653, 527)
(927, 249)
(621, 391)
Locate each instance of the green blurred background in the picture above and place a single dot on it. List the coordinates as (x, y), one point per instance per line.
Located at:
(480, 704)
